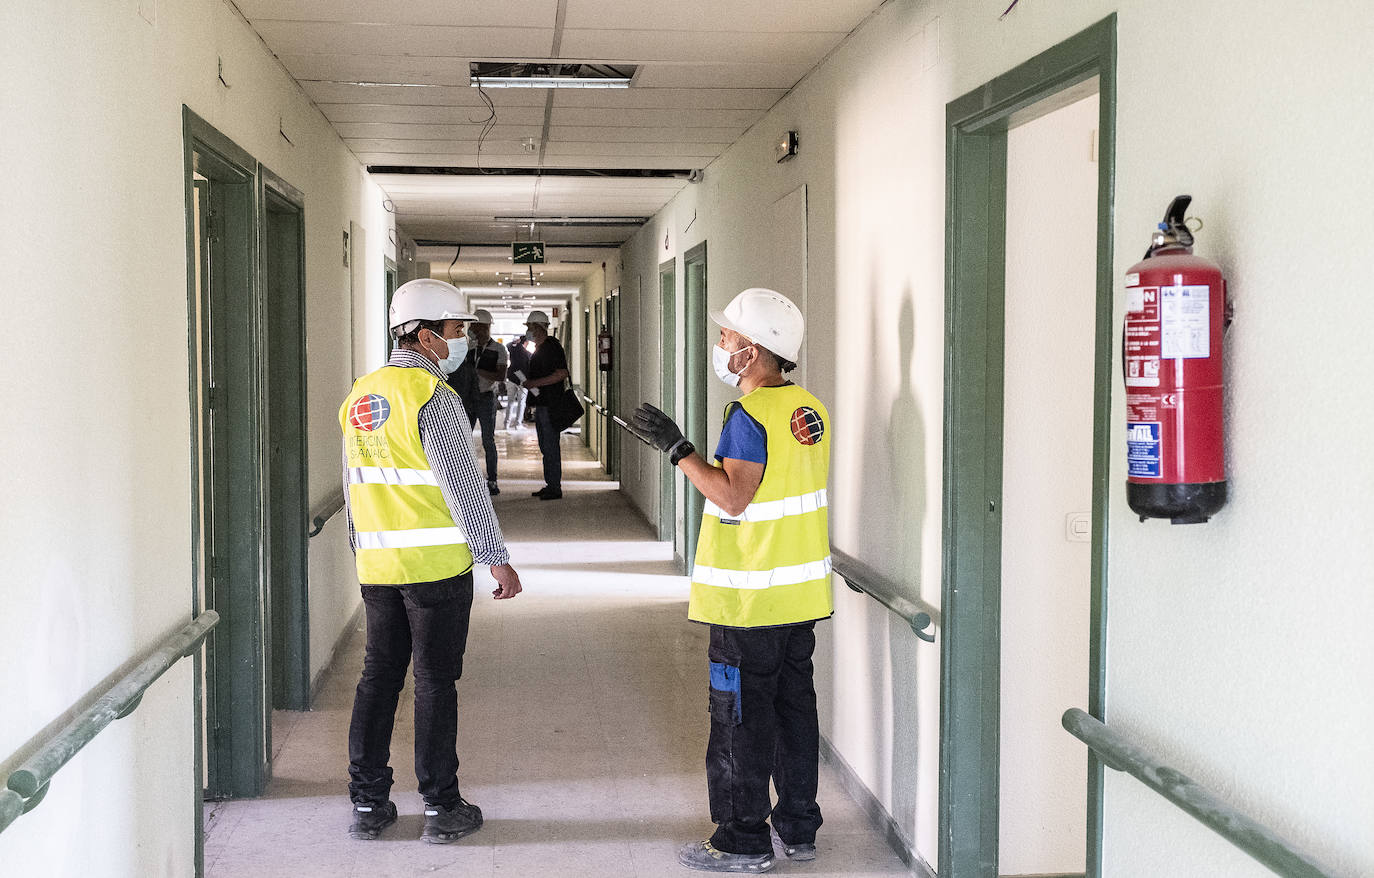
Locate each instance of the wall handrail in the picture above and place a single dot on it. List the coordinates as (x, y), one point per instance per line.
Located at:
(327, 510)
(593, 404)
(865, 580)
(1259, 841)
(28, 784)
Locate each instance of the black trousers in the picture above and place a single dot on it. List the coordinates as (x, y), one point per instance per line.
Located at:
(763, 724)
(428, 620)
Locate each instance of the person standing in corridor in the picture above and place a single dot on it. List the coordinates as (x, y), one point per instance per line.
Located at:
(518, 369)
(419, 516)
(548, 371)
(761, 581)
(489, 359)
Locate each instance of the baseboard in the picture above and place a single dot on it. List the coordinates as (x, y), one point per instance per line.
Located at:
(347, 631)
(877, 814)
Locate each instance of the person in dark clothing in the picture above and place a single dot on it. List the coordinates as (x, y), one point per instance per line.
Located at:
(519, 370)
(548, 370)
(489, 363)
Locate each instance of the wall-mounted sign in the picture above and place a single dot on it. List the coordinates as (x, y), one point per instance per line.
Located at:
(527, 252)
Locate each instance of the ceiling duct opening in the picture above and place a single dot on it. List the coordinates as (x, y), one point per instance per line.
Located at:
(549, 74)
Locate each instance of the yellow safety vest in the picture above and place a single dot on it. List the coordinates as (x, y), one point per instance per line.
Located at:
(405, 531)
(771, 565)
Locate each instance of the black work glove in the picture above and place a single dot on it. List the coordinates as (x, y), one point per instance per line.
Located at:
(656, 428)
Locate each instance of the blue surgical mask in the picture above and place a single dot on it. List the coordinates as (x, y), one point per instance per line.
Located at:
(457, 352)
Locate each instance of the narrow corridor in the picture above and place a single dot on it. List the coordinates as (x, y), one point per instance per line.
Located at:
(582, 721)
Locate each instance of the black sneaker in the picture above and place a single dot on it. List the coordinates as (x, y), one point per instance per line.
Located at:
(797, 852)
(705, 857)
(447, 825)
(491, 487)
(370, 819)
(540, 492)
(551, 494)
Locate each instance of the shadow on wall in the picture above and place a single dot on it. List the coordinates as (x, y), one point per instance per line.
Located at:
(894, 493)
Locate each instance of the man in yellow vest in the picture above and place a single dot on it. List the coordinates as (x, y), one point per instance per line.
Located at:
(761, 580)
(419, 516)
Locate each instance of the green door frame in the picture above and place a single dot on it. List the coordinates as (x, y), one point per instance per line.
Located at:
(695, 366)
(976, 168)
(594, 383)
(612, 379)
(587, 428)
(227, 430)
(282, 219)
(667, 391)
(389, 284)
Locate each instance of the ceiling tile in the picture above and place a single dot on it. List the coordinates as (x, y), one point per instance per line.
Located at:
(771, 16)
(665, 134)
(647, 46)
(470, 116)
(436, 95)
(405, 131)
(330, 38)
(655, 118)
(378, 68)
(478, 13)
(667, 98)
(733, 75)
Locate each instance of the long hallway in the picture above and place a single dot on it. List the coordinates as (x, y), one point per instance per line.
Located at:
(582, 720)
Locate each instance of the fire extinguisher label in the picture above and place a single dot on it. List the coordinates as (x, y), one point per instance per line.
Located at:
(1142, 450)
(1142, 337)
(1184, 318)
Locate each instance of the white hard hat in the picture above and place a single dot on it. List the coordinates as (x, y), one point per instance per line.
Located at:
(481, 315)
(765, 317)
(537, 317)
(426, 299)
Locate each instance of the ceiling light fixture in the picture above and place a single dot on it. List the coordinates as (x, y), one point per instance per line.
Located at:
(574, 220)
(549, 74)
(549, 82)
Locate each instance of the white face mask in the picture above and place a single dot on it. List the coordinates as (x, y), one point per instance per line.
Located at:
(457, 352)
(720, 361)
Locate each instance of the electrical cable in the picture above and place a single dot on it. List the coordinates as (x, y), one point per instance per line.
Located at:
(487, 124)
(454, 262)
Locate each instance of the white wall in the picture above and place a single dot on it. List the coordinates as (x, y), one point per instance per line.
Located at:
(1236, 648)
(96, 524)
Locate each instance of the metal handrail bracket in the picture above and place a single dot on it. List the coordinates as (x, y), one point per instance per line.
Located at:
(28, 783)
(333, 503)
(865, 580)
(1257, 840)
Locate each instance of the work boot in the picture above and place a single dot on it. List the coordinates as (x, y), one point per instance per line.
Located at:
(793, 851)
(447, 825)
(705, 857)
(369, 819)
(551, 494)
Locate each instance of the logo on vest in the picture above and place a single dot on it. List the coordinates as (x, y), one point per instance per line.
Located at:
(369, 412)
(807, 426)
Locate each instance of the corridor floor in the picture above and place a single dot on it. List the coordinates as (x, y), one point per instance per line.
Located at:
(582, 721)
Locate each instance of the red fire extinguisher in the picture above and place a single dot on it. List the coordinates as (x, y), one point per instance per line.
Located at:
(1176, 314)
(604, 349)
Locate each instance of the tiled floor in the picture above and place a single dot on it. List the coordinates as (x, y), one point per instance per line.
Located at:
(582, 721)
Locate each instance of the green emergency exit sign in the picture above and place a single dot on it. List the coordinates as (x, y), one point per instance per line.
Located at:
(527, 252)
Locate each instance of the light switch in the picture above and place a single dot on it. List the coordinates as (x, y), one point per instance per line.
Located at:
(1078, 527)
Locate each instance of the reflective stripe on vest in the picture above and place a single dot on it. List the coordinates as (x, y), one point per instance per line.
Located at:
(772, 510)
(771, 564)
(391, 475)
(792, 574)
(414, 538)
(404, 529)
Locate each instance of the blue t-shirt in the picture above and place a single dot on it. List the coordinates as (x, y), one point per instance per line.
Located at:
(742, 438)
